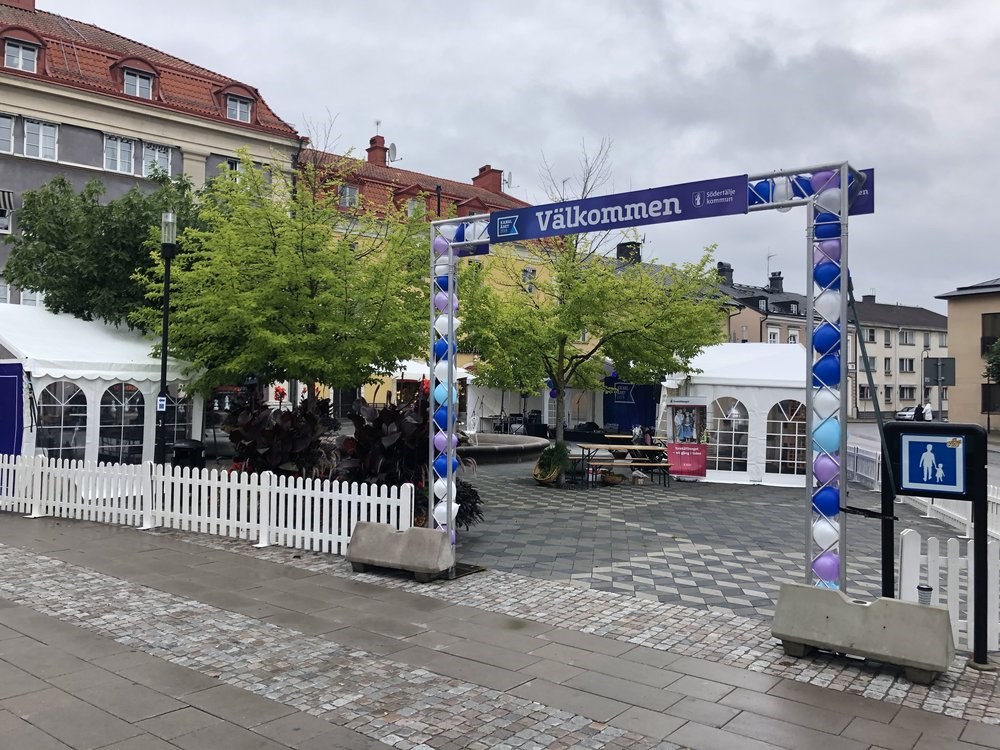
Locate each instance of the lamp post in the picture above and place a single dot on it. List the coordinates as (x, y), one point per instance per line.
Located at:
(168, 249)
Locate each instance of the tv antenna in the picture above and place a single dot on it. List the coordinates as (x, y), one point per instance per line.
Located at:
(769, 256)
(392, 153)
(508, 181)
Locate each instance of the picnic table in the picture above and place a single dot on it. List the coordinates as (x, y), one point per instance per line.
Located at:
(645, 458)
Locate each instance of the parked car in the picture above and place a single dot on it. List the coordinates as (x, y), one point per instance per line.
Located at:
(906, 415)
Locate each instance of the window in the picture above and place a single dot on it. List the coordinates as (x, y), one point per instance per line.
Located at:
(907, 393)
(528, 275)
(234, 165)
(887, 338)
(728, 429)
(943, 339)
(870, 364)
(40, 139)
(870, 335)
(907, 338)
(5, 221)
(177, 419)
(21, 56)
(155, 158)
(888, 366)
(906, 364)
(62, 421)
(238, 108)
(927, 340)
(122, 425)
(944, 393)
(348, 196)
(762, 304)
(118, 154)
(786, 438)
(415, 207)
(4, 291)
(864, 393)
(773, 335)
(888, 394)
(584, 336)
(31, 298)
(927, 393)
(6, 134)
(795, 308)
(991, 331)
(138, 84)
(793, 335)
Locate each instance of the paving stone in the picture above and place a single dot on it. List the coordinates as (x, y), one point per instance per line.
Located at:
(883, 735)
(701, 737)
(982, 734)
(649, 723)
(835, 700)
(18, 734)
(654, 699)
(225, 736)
(182, 721)
(699, 687)
(580, 702)
(786, 710)
(788, 735)
(939, 726)
(141, 742)
(237, 706)
(701, 711)
(15, 681)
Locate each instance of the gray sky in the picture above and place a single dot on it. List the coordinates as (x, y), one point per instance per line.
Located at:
(686, 91)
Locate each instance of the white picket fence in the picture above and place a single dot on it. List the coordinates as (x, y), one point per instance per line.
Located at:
(951, 576)
(307, 514)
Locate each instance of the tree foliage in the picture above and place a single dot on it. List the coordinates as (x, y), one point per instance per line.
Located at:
(279, 281)
(992, 372)
(83, 253)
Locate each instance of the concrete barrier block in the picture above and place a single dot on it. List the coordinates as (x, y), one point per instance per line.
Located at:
(424, 552)
(915, 636)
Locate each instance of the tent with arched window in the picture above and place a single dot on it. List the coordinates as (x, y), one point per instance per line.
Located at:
(84, 390)
(754, 423)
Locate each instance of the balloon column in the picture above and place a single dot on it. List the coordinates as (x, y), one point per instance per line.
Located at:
(450, 240)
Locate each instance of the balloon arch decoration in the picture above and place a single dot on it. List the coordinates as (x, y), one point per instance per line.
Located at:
(820, 189)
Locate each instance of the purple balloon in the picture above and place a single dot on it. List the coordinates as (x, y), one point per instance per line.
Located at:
(826, 469)
(441, 245)
(826, 250)
(441, 441)
(442, 301)
(553, 393)
(827, 566)
(824, 180)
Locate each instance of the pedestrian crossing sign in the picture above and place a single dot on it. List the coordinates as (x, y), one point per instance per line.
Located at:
(933, 464)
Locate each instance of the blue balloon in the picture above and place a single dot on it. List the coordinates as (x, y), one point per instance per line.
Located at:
(802, 187)
(826, 436)
(827, 226)
(441, 394)
(826, 338)
(442, 282)
(460, 233)
(827, 274)
(441, 465)
(760, 192)
(827, 501)
(441, 348)
(826, 371)
(442, 417)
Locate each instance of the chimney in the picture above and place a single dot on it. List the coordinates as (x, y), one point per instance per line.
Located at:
(489, 179)
(775, 284)
(726, 272)
(868, 298)
(22, 4)
(377, 150)
(630, 252)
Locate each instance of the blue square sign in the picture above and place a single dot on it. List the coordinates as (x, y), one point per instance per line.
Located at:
(933, 463)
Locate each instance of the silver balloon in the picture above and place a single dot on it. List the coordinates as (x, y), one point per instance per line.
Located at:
(829, 200)
(782, 192)
(826, 403)
(828, 305)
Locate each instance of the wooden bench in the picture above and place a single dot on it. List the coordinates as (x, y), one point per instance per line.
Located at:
(655, 468)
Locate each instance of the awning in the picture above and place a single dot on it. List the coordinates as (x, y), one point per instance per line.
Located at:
(6, 200)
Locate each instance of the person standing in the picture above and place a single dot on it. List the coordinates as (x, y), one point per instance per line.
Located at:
(928, 412)
(918, 413)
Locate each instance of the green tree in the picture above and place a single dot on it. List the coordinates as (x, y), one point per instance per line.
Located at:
(84, 254)
(992, 373)
(281, 282)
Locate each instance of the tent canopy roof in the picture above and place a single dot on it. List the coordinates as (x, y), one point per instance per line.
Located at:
(416, 369)
(61, 346)
(751, 364)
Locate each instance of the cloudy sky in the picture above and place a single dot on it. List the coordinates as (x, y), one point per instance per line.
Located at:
(685, 90)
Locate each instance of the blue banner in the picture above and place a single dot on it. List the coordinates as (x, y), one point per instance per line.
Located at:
(692, 200)
(11, 409)
(864, 201)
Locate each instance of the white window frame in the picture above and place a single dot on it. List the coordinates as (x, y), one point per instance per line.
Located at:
(415, 207)
(348, 196)
(906, 364)
(728, 435)
(147, 162)
(773, 335)
(907, 337)
(4, 291)
(870, 335)
(864, 393)
(45, 130)
(7, 145)
(134, 80)
(786, 438)
(907, 393)
(793, 335)
(116, 147)
(762, 305)
(16, 61)
(943, 340)
(6, 222)
(887, 390)
(238, 108)
(944, 393)
(32, 299)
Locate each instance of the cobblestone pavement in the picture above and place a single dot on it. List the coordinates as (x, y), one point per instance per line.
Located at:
(706, 545)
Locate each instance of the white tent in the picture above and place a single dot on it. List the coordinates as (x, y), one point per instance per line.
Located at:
(92, 356)
(763, 380)
(417, 369)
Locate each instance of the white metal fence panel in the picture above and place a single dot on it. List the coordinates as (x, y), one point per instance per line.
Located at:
(951, 575)
(307, 514)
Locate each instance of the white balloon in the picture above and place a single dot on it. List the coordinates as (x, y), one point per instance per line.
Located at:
(826, 533)
(441, 371)
(829, 200)
(441, 513)
(782, 192)
(441, 267)
(826, 403)
(448, 231)
(828, 305)
(441, 488)
(441, 324)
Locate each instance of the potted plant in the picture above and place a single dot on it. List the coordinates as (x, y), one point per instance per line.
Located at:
(552, 462)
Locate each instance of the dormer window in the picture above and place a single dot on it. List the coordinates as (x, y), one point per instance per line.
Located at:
(138, 84)
(21, 56)
(238, 108)
(347, 196)
(795, 308)
(762, 305)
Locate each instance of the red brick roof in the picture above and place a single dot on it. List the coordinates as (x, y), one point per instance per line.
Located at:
(81, 55)
(387, 180)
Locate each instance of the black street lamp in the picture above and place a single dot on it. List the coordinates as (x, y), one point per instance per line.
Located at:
(168, 249)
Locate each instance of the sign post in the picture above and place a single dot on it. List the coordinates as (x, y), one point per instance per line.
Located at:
(934, 459)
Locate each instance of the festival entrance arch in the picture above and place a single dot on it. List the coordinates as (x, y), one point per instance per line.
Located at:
(831, 193)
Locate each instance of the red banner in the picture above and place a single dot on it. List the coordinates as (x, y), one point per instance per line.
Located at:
(687, 459)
